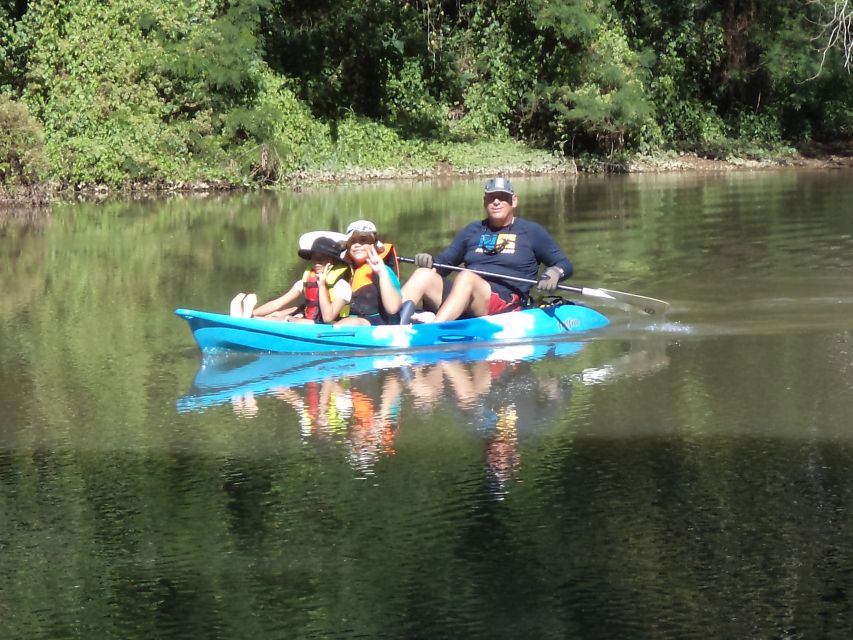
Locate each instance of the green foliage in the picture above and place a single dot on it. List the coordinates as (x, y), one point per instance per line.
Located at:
(757, 127)
(12, 55)
(410, 106)
(572, 20)
(726, 72)
(102, 125)
(211, 64)
(684, 117)
(611, 102)
(493, 83)
(160, 93)
(369, 145)
(22, 160)
(285, 139)
(586, 85)
(259, 91)
(341, 51)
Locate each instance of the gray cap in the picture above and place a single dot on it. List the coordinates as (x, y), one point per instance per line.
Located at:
(499, 185)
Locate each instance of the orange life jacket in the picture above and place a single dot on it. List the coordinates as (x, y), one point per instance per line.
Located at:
(366, 300)
(371, 430)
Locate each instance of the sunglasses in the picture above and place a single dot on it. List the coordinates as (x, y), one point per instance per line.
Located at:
(362, 238)
(503, 197)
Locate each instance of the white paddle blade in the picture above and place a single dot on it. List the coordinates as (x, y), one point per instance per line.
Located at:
(649, 306)
(596, 293)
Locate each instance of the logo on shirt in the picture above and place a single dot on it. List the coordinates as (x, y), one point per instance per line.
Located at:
(493, 243)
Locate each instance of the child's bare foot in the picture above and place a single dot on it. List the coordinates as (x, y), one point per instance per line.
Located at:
(249, 303)
(237, 305)
(245, 405)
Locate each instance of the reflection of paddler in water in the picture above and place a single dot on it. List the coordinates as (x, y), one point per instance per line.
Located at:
(375, 425)
(362, 413)
(324, 408)
(503, 455)
(480, 390)
(468, 383)
(498, 419)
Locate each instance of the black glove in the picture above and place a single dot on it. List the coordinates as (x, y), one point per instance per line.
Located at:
(549, 280)
(423, 260)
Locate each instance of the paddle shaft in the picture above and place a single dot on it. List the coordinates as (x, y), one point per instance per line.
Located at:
(650, 306)
(501, 276)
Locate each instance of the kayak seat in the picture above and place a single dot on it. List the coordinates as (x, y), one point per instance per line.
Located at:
(552, 301)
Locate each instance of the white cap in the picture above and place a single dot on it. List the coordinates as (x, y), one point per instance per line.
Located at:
(361, 226)
(307, 239)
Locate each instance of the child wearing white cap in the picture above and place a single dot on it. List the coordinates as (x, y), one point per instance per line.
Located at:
(375, 283)
(320, 295)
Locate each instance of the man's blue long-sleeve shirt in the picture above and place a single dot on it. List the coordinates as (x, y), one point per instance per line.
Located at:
(514, 250)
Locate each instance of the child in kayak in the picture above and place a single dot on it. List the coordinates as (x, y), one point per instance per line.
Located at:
(375, 278)
(322, 294)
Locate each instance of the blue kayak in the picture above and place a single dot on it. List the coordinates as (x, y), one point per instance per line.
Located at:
(216, 332)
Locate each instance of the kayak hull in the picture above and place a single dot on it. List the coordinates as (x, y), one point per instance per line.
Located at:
(215, 332)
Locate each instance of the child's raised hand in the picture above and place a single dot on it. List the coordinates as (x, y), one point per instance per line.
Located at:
(373, 259)
(324, 273)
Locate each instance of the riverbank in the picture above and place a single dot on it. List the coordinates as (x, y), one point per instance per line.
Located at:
(814, 157)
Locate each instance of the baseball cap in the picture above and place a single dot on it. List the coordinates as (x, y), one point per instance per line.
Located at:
(361, 226)
(499, 185)
(326, 243)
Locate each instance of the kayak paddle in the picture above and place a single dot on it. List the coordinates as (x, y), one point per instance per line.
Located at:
(649, 306)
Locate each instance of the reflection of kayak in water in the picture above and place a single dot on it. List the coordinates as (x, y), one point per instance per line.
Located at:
(216, 332)
(218, 380)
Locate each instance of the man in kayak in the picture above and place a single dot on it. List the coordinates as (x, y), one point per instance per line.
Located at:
(502, 243)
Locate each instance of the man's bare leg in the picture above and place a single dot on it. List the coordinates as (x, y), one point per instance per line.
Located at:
(425, 288)
(470, 293)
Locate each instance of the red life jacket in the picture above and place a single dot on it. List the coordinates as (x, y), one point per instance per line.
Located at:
(311, 291)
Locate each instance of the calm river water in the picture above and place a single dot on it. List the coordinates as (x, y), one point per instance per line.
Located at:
(675, 477)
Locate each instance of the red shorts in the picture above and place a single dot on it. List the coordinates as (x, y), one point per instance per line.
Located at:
(499, 305)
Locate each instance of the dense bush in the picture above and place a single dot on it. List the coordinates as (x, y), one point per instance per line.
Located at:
(22, 159)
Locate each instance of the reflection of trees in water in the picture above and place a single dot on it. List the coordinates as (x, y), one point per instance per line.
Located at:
(25, 266)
